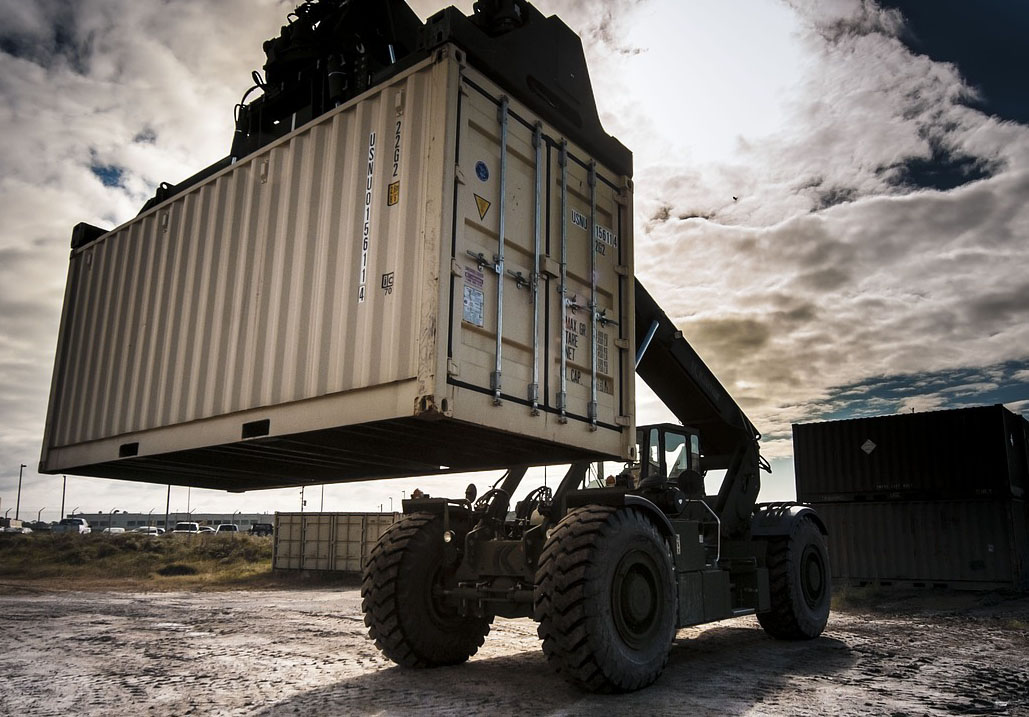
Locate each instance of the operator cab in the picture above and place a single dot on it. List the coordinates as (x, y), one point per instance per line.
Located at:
(670, 453)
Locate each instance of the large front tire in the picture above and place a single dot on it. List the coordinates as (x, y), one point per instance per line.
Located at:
(800, 584)
(605, 599)
(406, 617)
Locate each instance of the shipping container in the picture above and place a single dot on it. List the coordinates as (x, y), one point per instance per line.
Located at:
(957, 543)
(336, 542)
(403, 286)
(962, 453)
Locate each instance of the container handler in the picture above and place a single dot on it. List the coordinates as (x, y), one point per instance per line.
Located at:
(609, 571)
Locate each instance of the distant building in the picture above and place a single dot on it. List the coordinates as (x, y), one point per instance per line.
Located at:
(130, 521)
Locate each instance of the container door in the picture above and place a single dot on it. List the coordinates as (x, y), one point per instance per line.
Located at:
(517, 334)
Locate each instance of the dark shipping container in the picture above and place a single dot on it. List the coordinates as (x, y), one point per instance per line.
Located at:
(964, 453)
(978, 544)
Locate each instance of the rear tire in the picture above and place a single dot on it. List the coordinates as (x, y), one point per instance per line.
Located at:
(800, 584)
(412, 626)
(605, 599)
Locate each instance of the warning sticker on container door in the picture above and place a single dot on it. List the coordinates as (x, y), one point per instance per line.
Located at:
(482, 205)
(473, 305)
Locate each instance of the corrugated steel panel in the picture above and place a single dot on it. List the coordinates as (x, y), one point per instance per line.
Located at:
(969, 452)
(298, 315)
(973, 542)
(327, 541)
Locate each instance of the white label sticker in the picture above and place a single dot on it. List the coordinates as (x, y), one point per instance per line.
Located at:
(473, 305)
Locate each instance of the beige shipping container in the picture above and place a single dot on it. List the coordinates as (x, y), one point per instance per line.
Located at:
(401, 287)
(338, 542)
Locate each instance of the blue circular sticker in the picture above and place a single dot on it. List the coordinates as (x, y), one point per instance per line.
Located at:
(481, 170)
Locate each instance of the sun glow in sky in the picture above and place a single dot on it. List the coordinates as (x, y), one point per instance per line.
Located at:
(829, 196)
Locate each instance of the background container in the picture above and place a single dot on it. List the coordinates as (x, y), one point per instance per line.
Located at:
(963, 453)
(970, 543)
(338, 542)
(328, 308)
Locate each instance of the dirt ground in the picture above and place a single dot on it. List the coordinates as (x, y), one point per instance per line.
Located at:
(282, 652)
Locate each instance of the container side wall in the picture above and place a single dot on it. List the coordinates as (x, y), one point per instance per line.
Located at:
(974, 542)
(291, 275)
(940, 454)
(288, 548)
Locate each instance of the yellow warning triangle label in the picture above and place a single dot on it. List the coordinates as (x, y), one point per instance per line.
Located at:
(483, 206)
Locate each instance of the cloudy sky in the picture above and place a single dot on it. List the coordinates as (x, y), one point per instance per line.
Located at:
(831, 195)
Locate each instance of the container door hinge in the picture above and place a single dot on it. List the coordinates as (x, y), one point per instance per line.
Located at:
(622, 270)
(452, 368)
(623, 420)
(455, 268)
(459, 175)
(622, 344)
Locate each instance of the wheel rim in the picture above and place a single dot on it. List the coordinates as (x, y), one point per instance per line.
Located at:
(440, 610)
(813, 582)
(636, 599)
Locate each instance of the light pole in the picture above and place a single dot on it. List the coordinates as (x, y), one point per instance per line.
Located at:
(321, 508)
(148, 515)
(64, 490)
(302, 501)
(238, 512)
(391, 504)
(17, 505)
(110, 519)
(39, 513)
(167, 505)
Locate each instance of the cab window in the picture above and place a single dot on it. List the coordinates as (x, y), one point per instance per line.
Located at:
(676, 454)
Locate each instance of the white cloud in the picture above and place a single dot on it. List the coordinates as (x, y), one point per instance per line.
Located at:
(825, 272)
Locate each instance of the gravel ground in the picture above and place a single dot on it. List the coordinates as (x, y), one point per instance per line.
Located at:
(282, 652)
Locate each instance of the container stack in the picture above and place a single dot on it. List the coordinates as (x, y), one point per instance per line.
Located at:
(931, 499)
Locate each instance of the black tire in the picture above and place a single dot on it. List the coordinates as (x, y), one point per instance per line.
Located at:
(411, 626)
(605, 599)
(800, 584)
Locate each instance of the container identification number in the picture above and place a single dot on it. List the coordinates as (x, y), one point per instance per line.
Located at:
(362, 288)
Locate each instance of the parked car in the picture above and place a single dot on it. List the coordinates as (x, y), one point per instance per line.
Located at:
(262, 529)
(73, 525)
(149, 530)
(227, 528)
(114, 530)
(18, 529)
(206, 529)
(186, 528)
